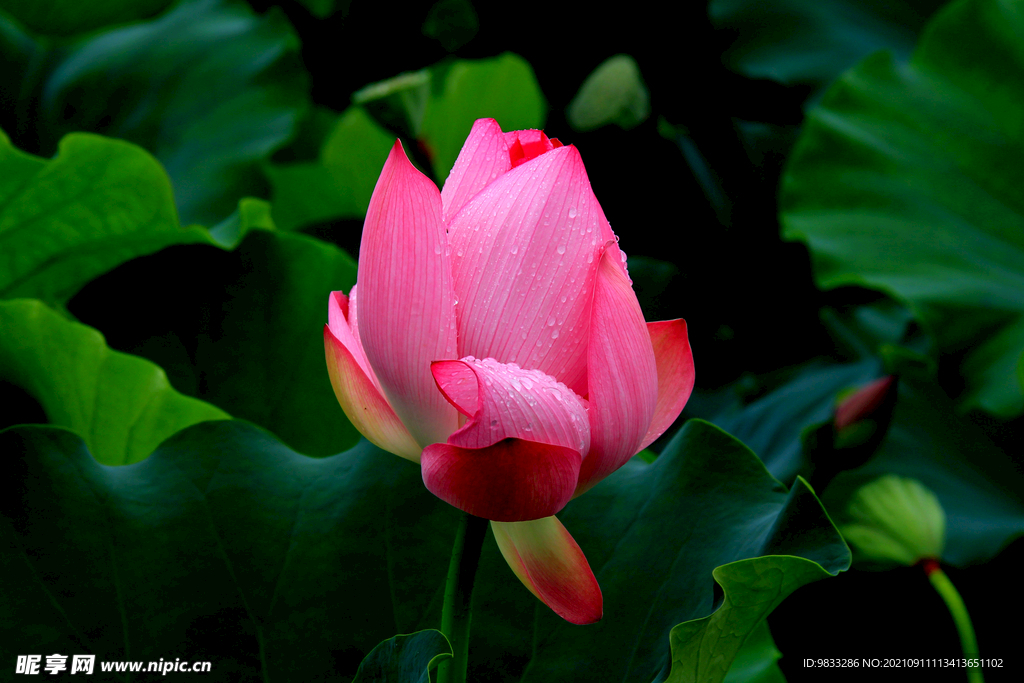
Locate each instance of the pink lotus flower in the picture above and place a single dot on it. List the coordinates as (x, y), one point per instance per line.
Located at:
(496, 340)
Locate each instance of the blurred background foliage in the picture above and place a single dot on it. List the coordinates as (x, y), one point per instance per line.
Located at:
(829, 192)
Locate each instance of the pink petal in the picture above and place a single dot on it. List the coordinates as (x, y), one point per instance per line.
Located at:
(623, 374)
(504, 401)
(864, 402)
(510, 481)
(341, 318)
(406, 302)
(364, 405)
(675, 374)
(484, 157)
(550, 563)
(525, 252)
(457, 381)
(519, 454)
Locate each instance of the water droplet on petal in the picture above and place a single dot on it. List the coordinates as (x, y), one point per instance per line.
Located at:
(572, 212)
(437, 248)
(560, 249)
(554, 334)
(551, 321)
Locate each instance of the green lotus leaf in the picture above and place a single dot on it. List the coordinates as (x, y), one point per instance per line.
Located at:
(757, 660)
(502, 88)
(647, 534)
(122, 406)
(209, 87)
(812, 42)
(97, 204)
(230, 546)
(66, 17)
(405, 659)
(340, 182)
(976, 482)
(244, 331)
(907, 180)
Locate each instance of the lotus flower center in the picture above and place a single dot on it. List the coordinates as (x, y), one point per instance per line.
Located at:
(524, 145)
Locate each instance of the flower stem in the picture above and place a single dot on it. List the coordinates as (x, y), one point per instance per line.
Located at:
(945, 588)
(456, 614)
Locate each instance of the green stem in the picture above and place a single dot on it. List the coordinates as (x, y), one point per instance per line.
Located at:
(945, 588)
(456, 614)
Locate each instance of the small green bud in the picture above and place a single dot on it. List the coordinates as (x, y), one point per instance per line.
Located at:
(894, 519)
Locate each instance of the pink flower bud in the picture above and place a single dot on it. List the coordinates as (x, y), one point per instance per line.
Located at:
(496, 339)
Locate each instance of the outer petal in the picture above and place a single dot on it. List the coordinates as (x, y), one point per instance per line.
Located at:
(550, 563)
(341, 318)
(484, 157)
(519, 455)
(511, 481)
(623, 375)
(525, 252)
(675, 374)
(363, 404)
(406, 302)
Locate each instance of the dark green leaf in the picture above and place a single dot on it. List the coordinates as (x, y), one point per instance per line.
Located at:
(865, 331)
(979, 486)
(121, 405)
(67, 17)
(438, 106)
(398, 102)
(302, 565)
(976, 481)
(704, 649)
(98, 203)
(340, 183)
(453, 23)
(653, 535)
(405, 659)
(773, 426)
(223, 544)
(757, 660)
(244, 331)
(259, 354)
(251, 213)
(210, 88)
(321, 8)
(813, 41)
(907, 179)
